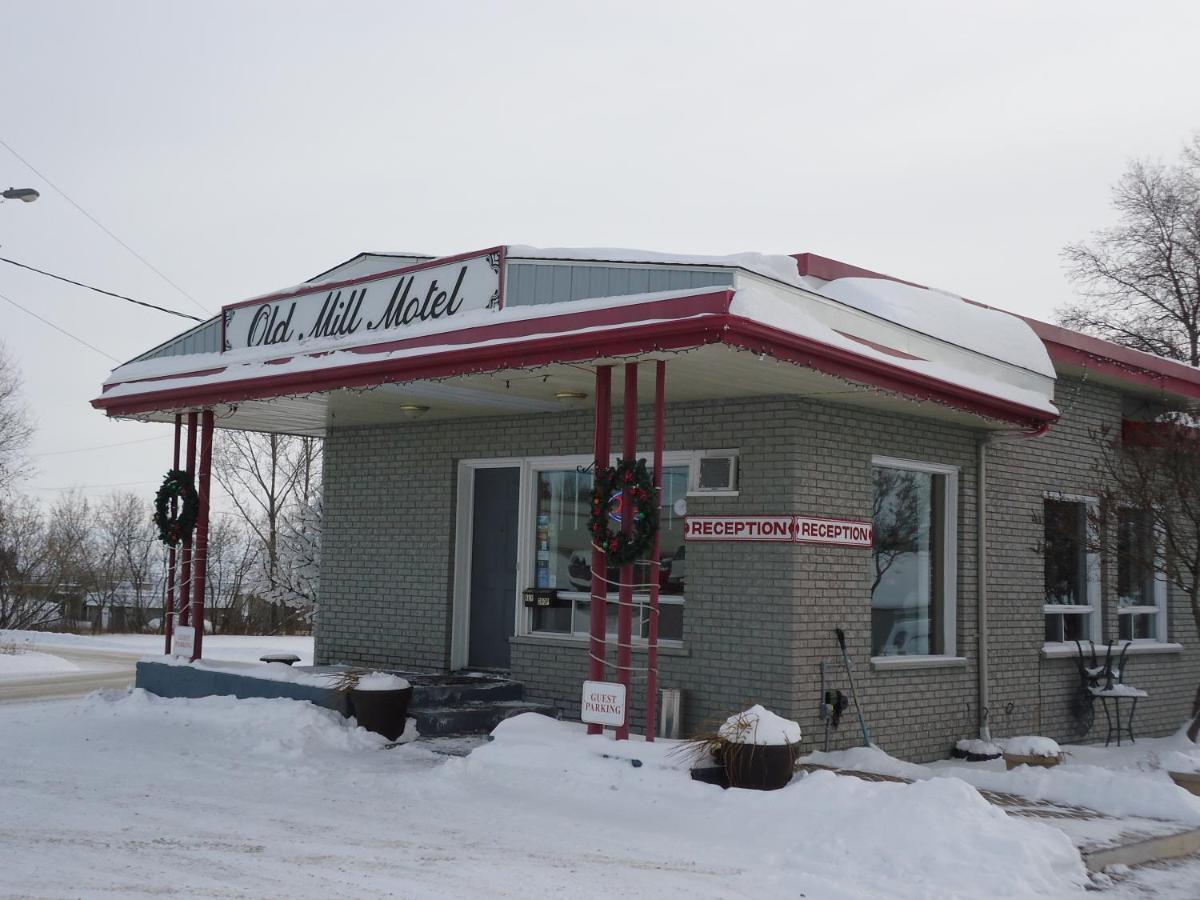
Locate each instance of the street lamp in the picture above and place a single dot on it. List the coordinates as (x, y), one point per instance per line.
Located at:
(26, 195)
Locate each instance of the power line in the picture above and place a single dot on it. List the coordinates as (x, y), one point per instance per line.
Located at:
(99, 225)
(101, 446)
(59, 330)
(13, 262)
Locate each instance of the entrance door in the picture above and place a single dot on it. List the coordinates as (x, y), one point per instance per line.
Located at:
(493, 566)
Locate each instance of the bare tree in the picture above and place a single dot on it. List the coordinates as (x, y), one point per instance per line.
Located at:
(125, 534)
(232, 556)
(1141, 277)
(16, 425)
(31, 589)
(298, 564)
(266, 476)
(1153, 469)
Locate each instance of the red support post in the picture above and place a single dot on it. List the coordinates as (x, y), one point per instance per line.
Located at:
(169, 604)
(625, 606)
(660, 395)
(200, 561)
(600, 444)
(185, 565)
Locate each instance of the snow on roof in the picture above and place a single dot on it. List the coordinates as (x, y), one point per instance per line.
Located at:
(948, 317)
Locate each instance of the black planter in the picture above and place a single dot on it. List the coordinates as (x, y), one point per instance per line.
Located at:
(759, 767)
(384, 712)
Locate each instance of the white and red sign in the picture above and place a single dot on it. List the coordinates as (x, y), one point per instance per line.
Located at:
(183, 641)
(370, 309)
(738, 528)
(782, 529)
(842, 532)
(603, 703)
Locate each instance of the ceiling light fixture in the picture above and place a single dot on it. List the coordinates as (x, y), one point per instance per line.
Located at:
(413, 410)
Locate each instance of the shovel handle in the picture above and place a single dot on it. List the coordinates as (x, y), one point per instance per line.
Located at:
(841, 638)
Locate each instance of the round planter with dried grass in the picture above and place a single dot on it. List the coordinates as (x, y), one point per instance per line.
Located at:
(378, 701)
(754, 749)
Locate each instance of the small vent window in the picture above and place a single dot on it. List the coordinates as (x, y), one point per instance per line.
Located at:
(715, 471)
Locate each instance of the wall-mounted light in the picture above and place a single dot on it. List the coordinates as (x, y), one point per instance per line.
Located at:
(570, 398)
(413, 410)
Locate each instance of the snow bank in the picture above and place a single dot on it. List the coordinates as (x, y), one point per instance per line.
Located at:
(822, 836)
(761, 727)
(1031, 745)
(1116, 792)
(31, 664)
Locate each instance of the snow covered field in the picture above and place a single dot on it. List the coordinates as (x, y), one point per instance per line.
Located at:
(30, 663)
(128, 794)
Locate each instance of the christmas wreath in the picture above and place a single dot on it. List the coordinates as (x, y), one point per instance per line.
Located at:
(620, 547)
(177, 526)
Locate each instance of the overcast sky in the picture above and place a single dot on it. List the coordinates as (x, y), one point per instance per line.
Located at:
(241, 147)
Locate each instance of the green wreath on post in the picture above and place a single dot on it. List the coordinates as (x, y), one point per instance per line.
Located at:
(618, 547)
(177, 527)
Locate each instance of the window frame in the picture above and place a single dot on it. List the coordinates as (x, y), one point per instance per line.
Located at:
(1092, 566)
(947, 598)
(1159, 608)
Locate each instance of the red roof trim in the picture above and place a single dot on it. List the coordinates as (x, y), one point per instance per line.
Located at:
(694, 322)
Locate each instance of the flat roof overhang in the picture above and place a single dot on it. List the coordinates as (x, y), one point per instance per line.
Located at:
(504, 367)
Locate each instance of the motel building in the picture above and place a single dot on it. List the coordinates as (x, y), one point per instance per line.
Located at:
(835, 448)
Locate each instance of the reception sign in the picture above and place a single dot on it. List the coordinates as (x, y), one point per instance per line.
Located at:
(374, 309)
(782, 529)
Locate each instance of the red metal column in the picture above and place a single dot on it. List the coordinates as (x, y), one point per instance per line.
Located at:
(201, 559)
(600, 442)
(660, 394)
(185, 566)
(169, 605)
(625, 606)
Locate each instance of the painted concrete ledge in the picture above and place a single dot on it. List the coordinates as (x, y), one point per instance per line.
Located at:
(167, 680)
(1167, 846)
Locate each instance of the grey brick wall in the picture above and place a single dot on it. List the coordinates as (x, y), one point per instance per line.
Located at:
(759, 617)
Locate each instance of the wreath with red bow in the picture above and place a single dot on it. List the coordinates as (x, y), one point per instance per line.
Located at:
(176, 527)
(631, 477)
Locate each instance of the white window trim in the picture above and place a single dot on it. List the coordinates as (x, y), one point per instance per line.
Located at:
(525, 549)
(1159, 609)
(1094, 582)
(464, 523)
(949, 592)
(694, 489)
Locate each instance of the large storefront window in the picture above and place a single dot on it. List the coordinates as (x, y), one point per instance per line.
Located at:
(1141, 594)
(563, 557)
(910, 590)
(1071, 568)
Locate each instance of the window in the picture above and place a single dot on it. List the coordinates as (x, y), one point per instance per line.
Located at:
(562, 553)
(913, 560)
(1141, 590)
(1071, 569)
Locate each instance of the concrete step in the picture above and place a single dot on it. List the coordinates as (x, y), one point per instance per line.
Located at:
(476, 690)
(472, 718)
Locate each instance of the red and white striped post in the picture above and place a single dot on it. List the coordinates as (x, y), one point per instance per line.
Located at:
(660, 394)
(169, 604)
(600, 446)
(625, 606)
(185, 565)
(200, 562)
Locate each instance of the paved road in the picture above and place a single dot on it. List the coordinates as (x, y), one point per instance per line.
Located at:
(102, 670)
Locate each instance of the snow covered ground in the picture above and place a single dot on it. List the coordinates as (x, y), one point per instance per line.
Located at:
(238, 647)
(126, 794)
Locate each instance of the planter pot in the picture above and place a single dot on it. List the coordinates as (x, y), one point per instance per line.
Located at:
(759, 767)
(384, 712)
(1012, 760)
(1189, 781)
